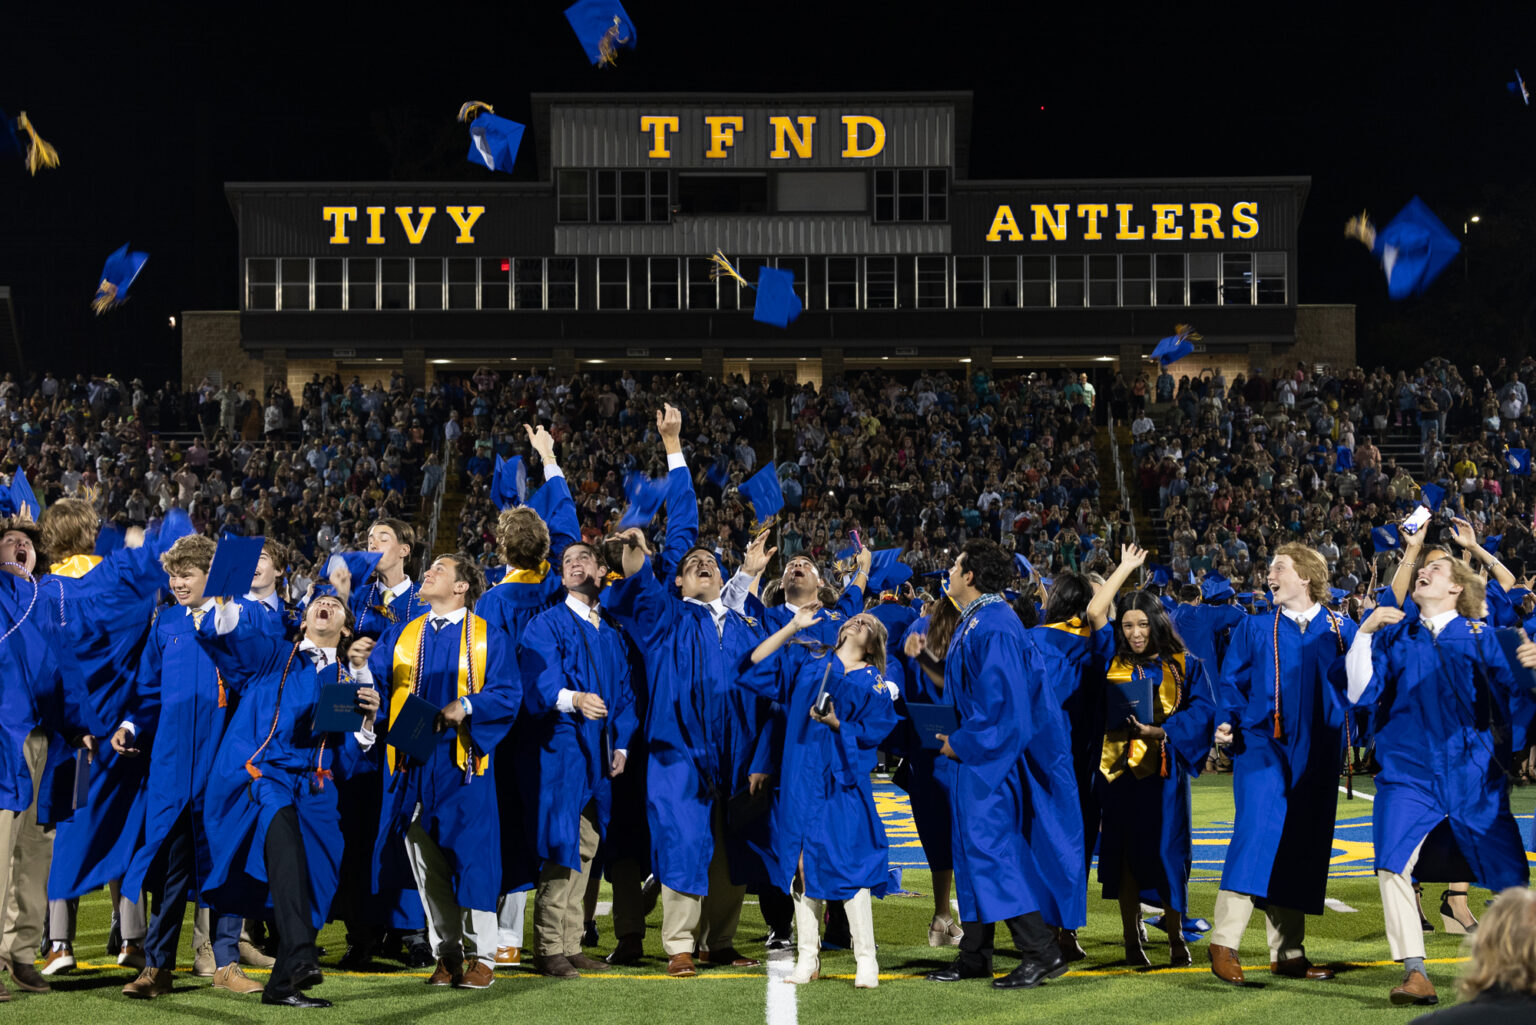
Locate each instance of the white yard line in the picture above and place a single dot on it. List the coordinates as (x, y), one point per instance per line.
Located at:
(1338, 905)
(781, 995)
(1358, 793)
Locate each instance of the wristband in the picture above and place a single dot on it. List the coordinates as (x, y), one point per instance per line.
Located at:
(464, 704)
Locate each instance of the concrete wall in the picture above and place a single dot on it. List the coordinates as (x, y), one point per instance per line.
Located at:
(210, 343)
(1324, 334)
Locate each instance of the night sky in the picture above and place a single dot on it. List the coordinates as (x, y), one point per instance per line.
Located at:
(152, 113)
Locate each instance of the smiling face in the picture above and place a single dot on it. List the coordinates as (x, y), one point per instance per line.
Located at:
(1136, 630)
(440, 586)
(1435, 589)
(699, 576)
(580, 571)
(325, 622)
(1286, 586)
(186, 585)
(265, 579)
(800, 578)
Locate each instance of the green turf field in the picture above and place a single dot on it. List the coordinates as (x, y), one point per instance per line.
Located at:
(1101, 991)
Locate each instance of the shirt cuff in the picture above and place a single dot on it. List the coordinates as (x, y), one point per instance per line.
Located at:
(365, 738)
(552, 470)
(1357, 666)
(890, 688)
(362, 674)
(130, 727)
(226, 617)
(566, 701)
(622, 751)
(676, 461)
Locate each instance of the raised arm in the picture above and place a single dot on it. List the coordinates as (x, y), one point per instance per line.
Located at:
(807, 615)
(1131, 559)
(639, 601)
(682, 502)
(553, 501)
(1467, 537)
(241, 650)
(1408, 569)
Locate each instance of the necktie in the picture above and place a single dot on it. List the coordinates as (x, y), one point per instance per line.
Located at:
(1301, 624)
(594, 617)
(719, 622)
(197, 617)
(317, 656)
(438, 622)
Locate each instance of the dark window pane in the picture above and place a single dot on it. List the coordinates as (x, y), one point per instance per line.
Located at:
(632, 209)
(429, 284)
(880, 283)
(911, 182)
(528, 283)
(396, 278)
(842, 283)
(495, 277)
(910, 208)
(885, 208)
(362, 284)
(607, 208)
(938, 208)
(560, 272)
(573, 187)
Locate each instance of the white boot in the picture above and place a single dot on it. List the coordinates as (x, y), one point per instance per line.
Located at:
(861, 924)
(807, 939)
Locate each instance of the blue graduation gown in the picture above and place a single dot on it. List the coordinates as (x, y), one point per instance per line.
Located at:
(459, 813)
(1200, 628)
(1449, 717)
(896, 618)
(1286, 790)
(920, 774)
(1147, 819)
(560, 651)
(180, 709)
(1017, 836)
(374, 616)
(825, 806)
(278, 689)
(702, 731)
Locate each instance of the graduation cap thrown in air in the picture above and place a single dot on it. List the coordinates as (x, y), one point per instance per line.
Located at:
(1491, 544)
(1177, 345)
(1433, 495)
(116, 275)
(1518, 461)
(776, 303)
(23, 500)
(887, 571)
(1162, 575)
(493, 140)
(1215, 587)
(1386, 537)
(717, 474)
(1023, 565)
(762, 490)
(509, 483)
(602, 26)
(646, 498)
(1518, 87)
(174, 524)
(35, 153)
(359, 564)
(1413, 249)
(234, 564)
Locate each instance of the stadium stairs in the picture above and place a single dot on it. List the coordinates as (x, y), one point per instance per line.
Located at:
(453, 506)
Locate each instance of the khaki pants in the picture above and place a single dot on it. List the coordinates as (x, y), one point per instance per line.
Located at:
(1285, 928)
(452, 930)
(708, 921)
(1400, 909)
(557, 910)
(27, 851)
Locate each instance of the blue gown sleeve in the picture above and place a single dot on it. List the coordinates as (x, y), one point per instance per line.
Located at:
(1518, 703)
(497, 703)
(643, 607)
(1501, 611)
(1189, 729)
(682, 520)
(991, 740)
(245, 654)
(144, 702)
(556, 507)
(541, 666)
(626, 719)
(851, 602)
(869, 718)
(1232, 692)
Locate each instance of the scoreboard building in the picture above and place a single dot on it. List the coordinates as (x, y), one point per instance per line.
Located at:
(900, 258)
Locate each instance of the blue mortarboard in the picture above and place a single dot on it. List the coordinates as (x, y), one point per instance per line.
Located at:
(1010, 594)
(359, 564)
(646, 498)
(509, 483)
(174, 524)
(762, 490)
(116, 275)
(1176, 346)
(36, 153)
(234, 564)
(1338, 593)
(844, 558)
(777, 303)
(717, 474)
(324, 589)
(1491, 544)
(1162, 575)
(1519, 461)
(1519, 89)
(108, 540)
(602, 26)
(1215, 587)
(1433, 495)
(1386, 537)
(1413, 249)
(1023, 565)
(887, 570)
(495, 574)
(493, 140)
(22, 498)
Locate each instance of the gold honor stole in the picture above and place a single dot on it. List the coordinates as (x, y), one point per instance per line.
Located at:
(76, 566)
(1120, 751)
(404, 679)
(526, 576)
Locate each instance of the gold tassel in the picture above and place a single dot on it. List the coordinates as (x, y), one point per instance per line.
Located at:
(723, 266)
(473, 107)
(606, 49)
(106, 297)
(1362, 229)
(39, 153)
(1187, 331)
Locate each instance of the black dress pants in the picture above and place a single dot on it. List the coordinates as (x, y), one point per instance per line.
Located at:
(1030, 934)
(288, 877)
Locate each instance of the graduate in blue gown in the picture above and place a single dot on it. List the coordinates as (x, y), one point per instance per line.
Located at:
(273, 827)
(1004, 815)
(387, 600)
(445, 809)
(1203, 617)
(1145, 851)
(1450, 717)
(575, 666)
(1287, 744)
(278, 618)
(829, 842)
(705, 737)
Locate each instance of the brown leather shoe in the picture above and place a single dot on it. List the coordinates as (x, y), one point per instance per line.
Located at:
(628, 950)
(151, 983)
(57, 962)
(27, 978)
(445, 974)
(1225, 965)
(506, 957)
(680, 966)
(1300, 968)
(727, 956)
(1415, 989)
(478, 975)
(557, 966)
(234, 979)
(583, 963)
(5, 994)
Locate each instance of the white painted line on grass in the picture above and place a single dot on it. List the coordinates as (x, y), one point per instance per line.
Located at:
(1358, 793)
(1338, 905)
(781, 995)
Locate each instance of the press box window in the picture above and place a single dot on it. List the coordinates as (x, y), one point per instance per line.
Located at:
(1203, 268)
(822, 191)
(1170, 278)
(664, 290)
(328, 283)
(1103, 281)
(632, 197)
(495, 279)
(1237, 279)
(880, 283)
(1069, 281)
(293, 284)
(1035, 275)
(428, 284)
(463, 285)
(842, 283)
(362, 284)
(560, 278)
(703, 288)
(528, 283)
(911, 194)
(932, 283)
(722, 193)
(1135, 281)
(796, 265)
(261, 284)
(575, 199)
(971, 282)
(1269, 268)
(395, 284)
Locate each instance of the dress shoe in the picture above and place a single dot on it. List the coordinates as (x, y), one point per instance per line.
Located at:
(27, 978)
(477, 975)
(583, 963)
(727, 956)
(252, 955)
(1225, 965)
(558, 966)
(1030, 974)
(628, 950)
(961, 969)
(358, 958)
(445, 974)
(58, 961)
(418, 955)
(778, 941)
(506, 957)
(151, 983)
(589, 937)
(131, 955)
(293, 1000)
(1300, 968)
(1066, 942)
(232, 978)
(1414, 989)
(204, 963)
(944, 931)
(306, 976)
(680, 966)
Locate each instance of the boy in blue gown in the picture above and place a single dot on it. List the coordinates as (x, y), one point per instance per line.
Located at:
(273, 829)
(576, 672)
(1449, 717)
(445, 809)
(1286, 736)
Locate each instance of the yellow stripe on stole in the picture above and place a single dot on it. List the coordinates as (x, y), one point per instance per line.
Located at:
(76, 566)
(403, 676)
(1120, 751)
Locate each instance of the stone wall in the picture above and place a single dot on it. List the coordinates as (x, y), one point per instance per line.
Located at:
(1324, 334)
(210, 344)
